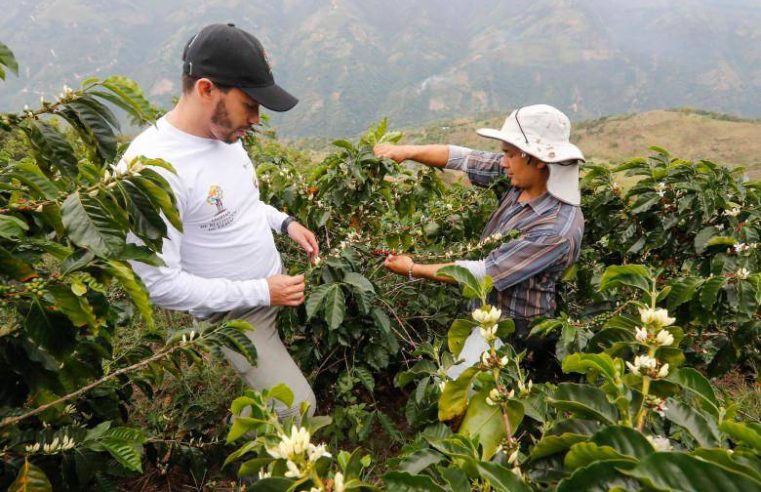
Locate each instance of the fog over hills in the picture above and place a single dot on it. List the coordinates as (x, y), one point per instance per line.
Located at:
(353, 61)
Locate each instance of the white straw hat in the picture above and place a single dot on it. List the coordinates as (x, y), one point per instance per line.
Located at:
(544, 132)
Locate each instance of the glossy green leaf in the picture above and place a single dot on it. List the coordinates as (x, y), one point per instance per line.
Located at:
(335, 307)
(587, 453)
(697, 385)
(747, 433)
(406, 482)
(625, 440)
(463, 276)
(458, 333)
(584, 400)
(359, 281)
(134, 288)
(680, 471)
(635, 276)
(454, 399)
(500, 478)
(596, 364)
(602, 476)
(487, 423)
(89, 226)
(7, 60)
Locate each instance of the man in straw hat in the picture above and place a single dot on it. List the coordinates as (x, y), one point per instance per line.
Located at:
(542, 204)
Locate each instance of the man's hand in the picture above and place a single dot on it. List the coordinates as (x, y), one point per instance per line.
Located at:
(286, 290)
(399, 264)
(396, 153)
(305, 238)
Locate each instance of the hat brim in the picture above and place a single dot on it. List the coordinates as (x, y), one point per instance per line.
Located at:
(563, 183)
(546, 152)
(271, 97)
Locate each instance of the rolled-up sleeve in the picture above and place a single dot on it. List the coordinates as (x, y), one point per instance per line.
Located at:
(482, 167)
(519, 259)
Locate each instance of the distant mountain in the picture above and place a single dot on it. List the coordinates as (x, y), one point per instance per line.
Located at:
(353, 61)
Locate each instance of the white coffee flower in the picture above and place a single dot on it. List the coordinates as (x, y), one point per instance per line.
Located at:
(317, 452)
(641, 334)
(487, 317)
(664, 338)
(293, 470)
(740, 247)
(743, 273)
(656, 317)
(663, 371)
(513, 457)
(338, 482)
(494, 397)
(660, 443)
(733, 213)
(32, 448)
(502, 361)
(489, 333)
(719, 227)
(264, 474)
(641, 362)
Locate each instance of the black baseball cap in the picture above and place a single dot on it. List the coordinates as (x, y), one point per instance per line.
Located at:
(228, 55)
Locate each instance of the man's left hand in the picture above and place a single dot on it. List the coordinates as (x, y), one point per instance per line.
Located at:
(400, 264)
(305, 238)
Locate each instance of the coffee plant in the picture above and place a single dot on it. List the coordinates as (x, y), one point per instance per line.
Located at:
(68, 290)
(664, 299)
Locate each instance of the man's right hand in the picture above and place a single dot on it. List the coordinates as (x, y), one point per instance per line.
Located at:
(286, 290)
(396, 153)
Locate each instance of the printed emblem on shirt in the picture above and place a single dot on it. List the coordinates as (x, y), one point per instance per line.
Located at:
(223, 217)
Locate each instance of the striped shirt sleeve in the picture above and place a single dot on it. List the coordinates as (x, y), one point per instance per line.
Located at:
(482, 167)
(519, 259)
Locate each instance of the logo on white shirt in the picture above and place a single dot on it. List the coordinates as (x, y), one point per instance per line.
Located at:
(214, 197)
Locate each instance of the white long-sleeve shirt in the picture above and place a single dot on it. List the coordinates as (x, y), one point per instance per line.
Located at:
(226, 251)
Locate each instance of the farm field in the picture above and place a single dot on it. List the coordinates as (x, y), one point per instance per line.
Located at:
(656, 334)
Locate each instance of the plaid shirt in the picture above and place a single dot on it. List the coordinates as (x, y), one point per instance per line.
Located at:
(525, 270)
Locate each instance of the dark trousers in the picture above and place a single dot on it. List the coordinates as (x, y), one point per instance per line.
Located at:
(540, 358)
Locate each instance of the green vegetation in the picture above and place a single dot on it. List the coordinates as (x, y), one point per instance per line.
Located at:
(657, 329)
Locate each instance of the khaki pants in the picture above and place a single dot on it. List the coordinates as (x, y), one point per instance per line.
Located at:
(274, 364)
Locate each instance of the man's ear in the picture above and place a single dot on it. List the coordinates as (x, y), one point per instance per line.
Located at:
(204, 88)
(540, 164)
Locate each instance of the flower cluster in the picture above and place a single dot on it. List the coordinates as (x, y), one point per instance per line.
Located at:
(55, 446)
(188, 337)
(298, 451)
(648, 366)
(496, 396)
(488, 316)
(662, 339)
(493, 361)
(657, 318)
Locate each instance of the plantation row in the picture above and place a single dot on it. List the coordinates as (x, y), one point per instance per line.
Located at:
(664, 299)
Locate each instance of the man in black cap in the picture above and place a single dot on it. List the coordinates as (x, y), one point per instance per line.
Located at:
(224, 264)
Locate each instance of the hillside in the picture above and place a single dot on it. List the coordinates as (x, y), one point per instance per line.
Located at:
(688, 134)
(353, 61)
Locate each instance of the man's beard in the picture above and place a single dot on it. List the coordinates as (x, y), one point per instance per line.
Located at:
(221, 118)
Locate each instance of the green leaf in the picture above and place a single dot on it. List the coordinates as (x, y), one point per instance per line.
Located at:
(7, 60)
(602, 476)
(160, 194)
(335, 306)
(233, 337)
(128, 95)
(406, 482)
(736, 460)
(748, 434)
(29, 478)
(282, 393)
(682, 472)
(635, 276)
(135, 288)
(52, 148)
(625, 440)
(316, 298)
(710, 291)
(702, 237)
(696, 384)
(486, 422)
(76, 308)
(586, 453)
(13, 267)
(500, 478)
(550, 444)
(454, 399)
(418, 461)
(463, 276)
(96, 120)
(271, 484)
(382, 319)
(88, 226)
(698, 425)
(584, 400)
(359, 281)
(251, 467)
(595, 364)
(458, 333)
(31, 176)
(128, 454)
(12, 227)
(682, 291)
